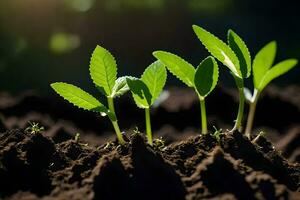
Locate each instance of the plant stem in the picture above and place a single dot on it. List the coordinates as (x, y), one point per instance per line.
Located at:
(115, 122)
(111, 105)
(118, 132)
(239, 118)
(148, 126)
(251, 113)
(203, 116)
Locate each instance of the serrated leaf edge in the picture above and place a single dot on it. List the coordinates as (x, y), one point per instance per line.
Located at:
(191, 84)
(77, 96)
(248, 71)
(165, 73)
(238, 72)
(90, 73)
(114, 94)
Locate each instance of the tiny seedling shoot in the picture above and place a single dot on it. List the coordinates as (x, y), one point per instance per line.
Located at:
(263, 74)
(203, 79)
(34, 128)
(147, 89)
(235, 56)
(103, 71)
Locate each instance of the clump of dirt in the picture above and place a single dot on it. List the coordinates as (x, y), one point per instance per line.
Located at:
(24, 163)
(32, 166)
(261, 157)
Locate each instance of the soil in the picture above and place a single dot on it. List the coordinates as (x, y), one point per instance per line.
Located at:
(183, 165)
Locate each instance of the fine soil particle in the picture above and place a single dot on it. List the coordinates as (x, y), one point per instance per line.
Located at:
(32, 166)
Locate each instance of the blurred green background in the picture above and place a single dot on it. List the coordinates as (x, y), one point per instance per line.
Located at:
(43, 41)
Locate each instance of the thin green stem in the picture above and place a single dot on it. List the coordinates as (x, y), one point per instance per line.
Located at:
(251, 114)
(115, 124)
(203, 116)
(118, 132)
(239, 118)
(148, 126)
(111, 105)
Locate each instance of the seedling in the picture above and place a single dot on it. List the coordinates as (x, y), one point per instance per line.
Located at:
(107, 146)
(235, 56)
(136, 131)
(159, 143)
(261, 133)
(103, 71)
(263, 74)
(203, 79)
(217, 134)
(147, 89)
(34, 128)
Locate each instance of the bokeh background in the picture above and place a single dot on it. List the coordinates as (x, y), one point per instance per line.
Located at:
(43, 41)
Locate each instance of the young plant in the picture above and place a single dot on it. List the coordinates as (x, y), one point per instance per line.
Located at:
(147, 89)
(203, 79)
(103, 71)
(235, 56)
(263, 74)
(34, 128)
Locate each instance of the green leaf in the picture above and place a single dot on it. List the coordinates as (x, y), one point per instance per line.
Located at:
(206, 76)
(140, 92)
(120, 87)
(103, 70)
(277, 70)
(183, 70)
(239, 82)
(78, 97)
(155, 77)
(219, 50)
(240, 49)
(262, 62)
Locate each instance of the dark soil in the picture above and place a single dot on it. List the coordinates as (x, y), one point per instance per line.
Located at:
(34, 167)
(51, 165)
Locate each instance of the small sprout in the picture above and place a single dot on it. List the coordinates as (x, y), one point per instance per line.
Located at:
(217, 133)
(108, 145)
(263, 74)
(159, 143)
(235, 56)
(146, 90)
(261, 133)
(77, 137)
(136, 131)
(204, 79)
(103, 71)
(34, 128)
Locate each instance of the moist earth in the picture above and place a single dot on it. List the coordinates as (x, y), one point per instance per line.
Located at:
(201, 167)
(183, 164)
